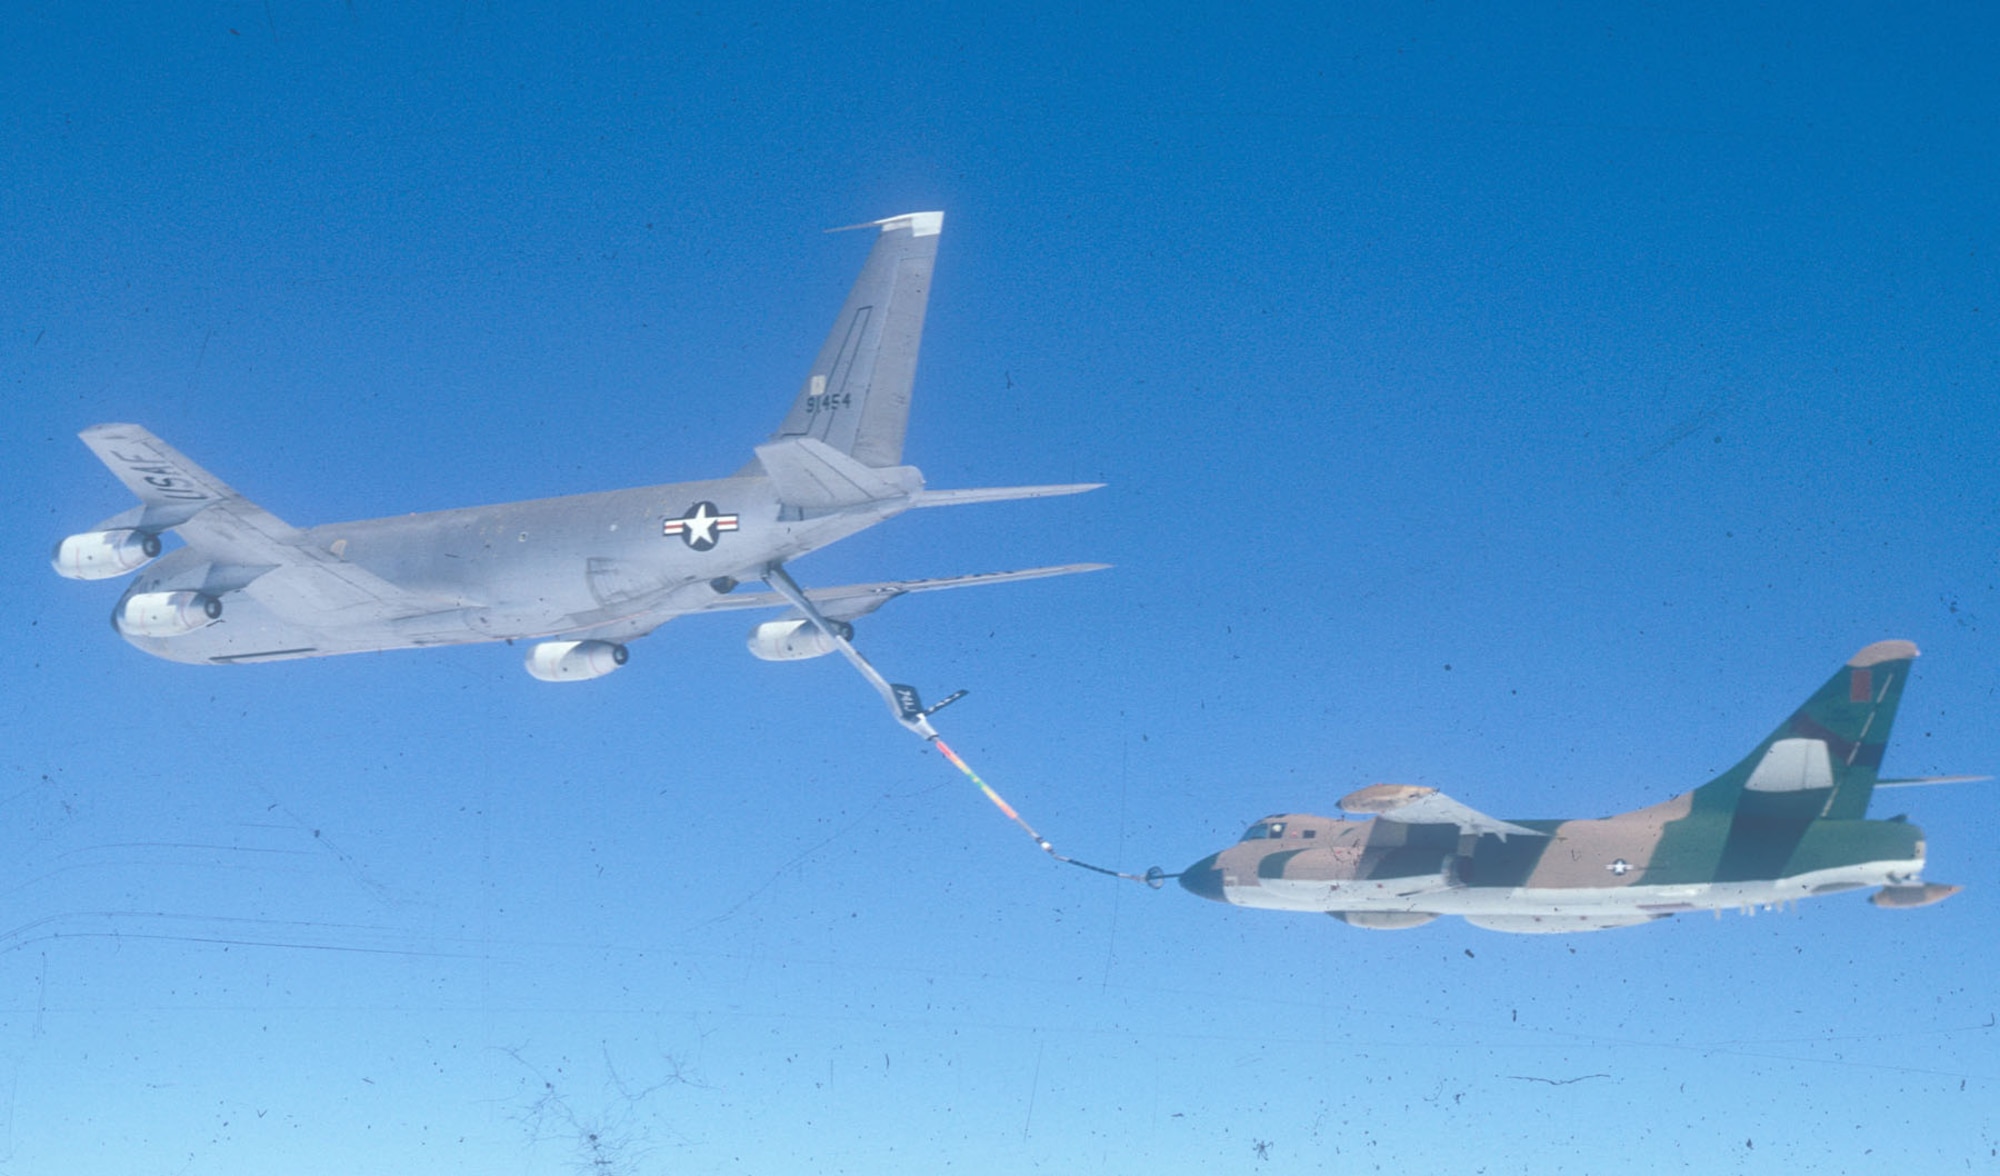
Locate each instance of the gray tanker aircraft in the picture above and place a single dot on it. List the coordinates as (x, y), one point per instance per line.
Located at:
(1788, 822)
(580, 576)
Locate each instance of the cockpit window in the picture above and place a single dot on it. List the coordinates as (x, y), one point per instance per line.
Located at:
(1264, 829)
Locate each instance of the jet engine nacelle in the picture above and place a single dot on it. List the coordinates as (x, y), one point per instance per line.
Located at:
(575, 661)
(166, 614)
(100, 555)
(794, 640)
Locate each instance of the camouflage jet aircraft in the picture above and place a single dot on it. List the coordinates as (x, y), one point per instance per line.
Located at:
(1789, 822)
(579, 575)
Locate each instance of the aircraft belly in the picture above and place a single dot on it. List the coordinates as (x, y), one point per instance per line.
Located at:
(1297, 897)
(1409, 893)
(1501, 902)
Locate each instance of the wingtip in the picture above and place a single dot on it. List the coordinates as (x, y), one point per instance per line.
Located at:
(1380, 798)
(920, 224)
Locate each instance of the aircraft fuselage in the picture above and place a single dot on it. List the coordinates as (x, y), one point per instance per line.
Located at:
(508, 571)
(1583, 875)
(1788, 821)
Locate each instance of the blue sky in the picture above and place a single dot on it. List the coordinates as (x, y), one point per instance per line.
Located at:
(1533, 404)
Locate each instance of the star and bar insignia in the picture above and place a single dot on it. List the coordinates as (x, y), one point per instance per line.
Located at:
(700, 526)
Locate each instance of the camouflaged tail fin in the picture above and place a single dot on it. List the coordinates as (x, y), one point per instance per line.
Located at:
(1822, 763)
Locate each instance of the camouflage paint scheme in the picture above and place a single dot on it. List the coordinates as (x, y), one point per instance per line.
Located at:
(1788, 822)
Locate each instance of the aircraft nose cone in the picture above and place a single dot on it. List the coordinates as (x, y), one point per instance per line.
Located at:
(1203, 878)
